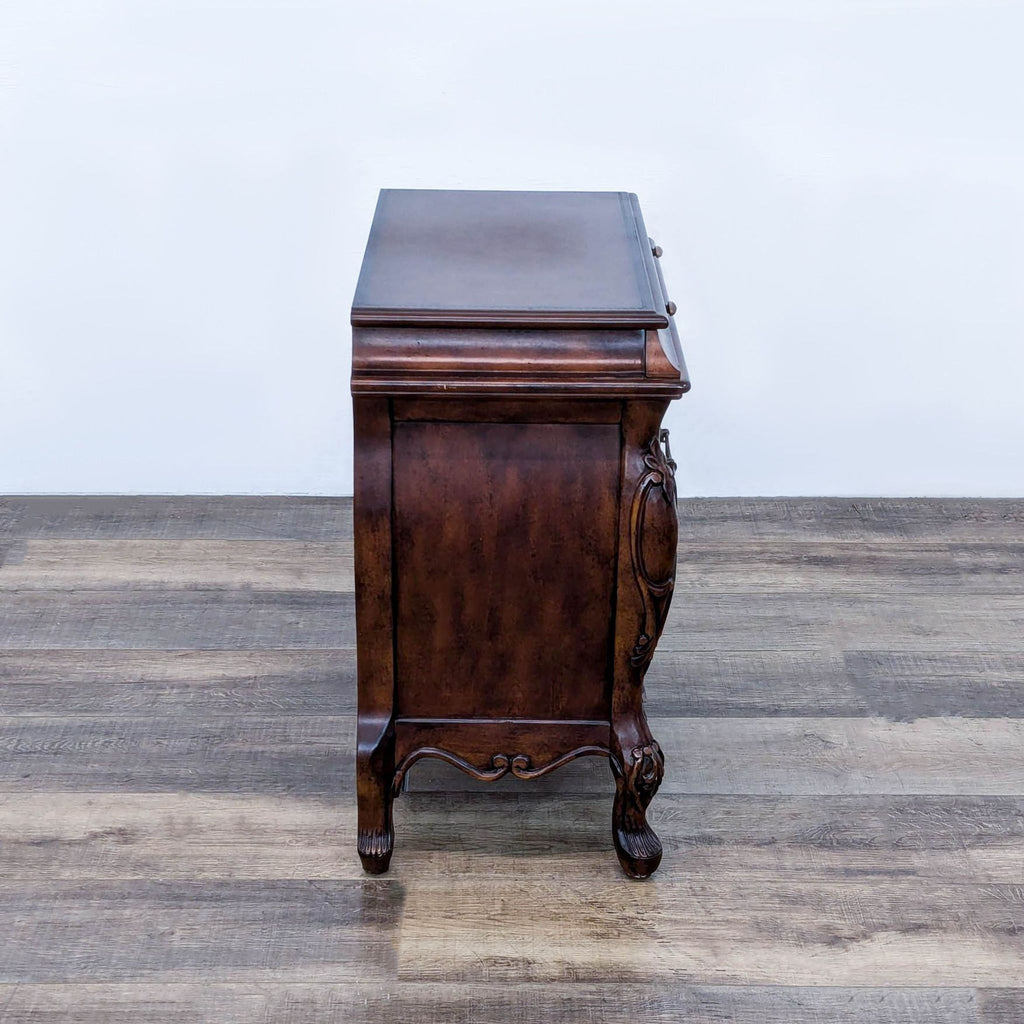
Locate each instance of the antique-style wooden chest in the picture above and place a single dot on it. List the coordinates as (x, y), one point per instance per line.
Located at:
(513, 354)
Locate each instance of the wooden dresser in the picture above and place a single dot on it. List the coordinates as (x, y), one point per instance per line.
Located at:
(513, 354)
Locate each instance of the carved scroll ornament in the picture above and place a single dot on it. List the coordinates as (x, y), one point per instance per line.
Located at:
(655, 594)
(519, 765)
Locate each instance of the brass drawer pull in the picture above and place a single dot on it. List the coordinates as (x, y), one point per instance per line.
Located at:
(656, 250)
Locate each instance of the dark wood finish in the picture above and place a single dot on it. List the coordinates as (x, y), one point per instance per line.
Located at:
(646, 575)
(509, 410)
(502, 548)
(490, 749)
(393, 350)
(375, 738)
(515, 491)
(525, 259)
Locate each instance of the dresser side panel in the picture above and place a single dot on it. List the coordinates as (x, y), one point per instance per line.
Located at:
(505, 547)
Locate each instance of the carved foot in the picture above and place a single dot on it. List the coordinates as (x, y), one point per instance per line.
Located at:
(375, 849)
(637, 779)
(375, 770)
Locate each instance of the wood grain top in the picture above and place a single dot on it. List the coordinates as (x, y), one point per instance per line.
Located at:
(513, 259)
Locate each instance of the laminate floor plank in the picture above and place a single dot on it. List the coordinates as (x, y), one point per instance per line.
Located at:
(194, 619)
(301, 754)
(161, 930)
(87, 517)
(1001, 1006)
(195, 835)
(171, 564)
(755, 933)
(890, 621)
(433, 1003)
(177, 683)
(900, 685)
(794, 566)
(893, 520)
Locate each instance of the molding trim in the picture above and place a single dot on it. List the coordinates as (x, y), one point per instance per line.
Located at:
(519, 765)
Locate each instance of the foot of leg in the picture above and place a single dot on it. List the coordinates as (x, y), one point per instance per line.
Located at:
(638, 775)
(375, 848)
(376, 831)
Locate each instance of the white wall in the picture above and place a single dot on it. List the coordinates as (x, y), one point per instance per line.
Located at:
(185, 190)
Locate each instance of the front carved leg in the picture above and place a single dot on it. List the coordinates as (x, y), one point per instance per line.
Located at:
(375, 771)
(638, 771)
(649, 533)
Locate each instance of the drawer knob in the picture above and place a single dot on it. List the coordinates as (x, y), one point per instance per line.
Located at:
(657, 250)
(670, 308)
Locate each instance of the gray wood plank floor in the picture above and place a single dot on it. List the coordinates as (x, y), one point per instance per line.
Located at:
(840, 694)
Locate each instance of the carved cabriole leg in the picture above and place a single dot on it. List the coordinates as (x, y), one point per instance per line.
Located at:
(375, 735)
(648, 533)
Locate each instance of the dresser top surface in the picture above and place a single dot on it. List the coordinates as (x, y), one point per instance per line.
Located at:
(508, 259)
